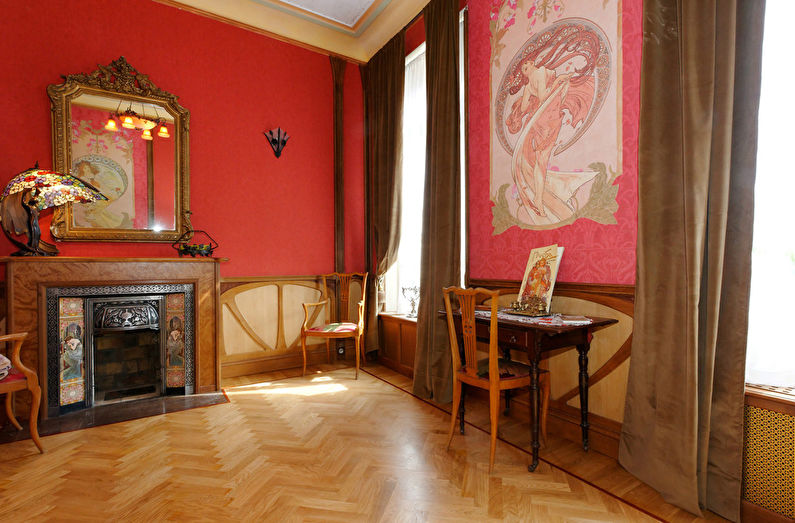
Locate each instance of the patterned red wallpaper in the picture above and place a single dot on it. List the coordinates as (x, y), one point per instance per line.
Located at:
(594, 253)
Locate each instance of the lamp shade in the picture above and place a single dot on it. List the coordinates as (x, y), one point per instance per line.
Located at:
(52, 188)
(32, 191)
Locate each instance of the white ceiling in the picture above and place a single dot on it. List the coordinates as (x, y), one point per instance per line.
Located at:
(355, 29)
(346, 12)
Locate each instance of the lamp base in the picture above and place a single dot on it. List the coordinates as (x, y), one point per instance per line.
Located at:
(37, 252)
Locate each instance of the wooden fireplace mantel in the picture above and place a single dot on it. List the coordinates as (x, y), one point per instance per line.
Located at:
(27, 280)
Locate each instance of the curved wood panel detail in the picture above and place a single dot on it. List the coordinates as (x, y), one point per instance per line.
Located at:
(257, 354)
(620, 356)
(246, 326)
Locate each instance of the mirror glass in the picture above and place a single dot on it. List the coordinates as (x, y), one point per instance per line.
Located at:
(116, 130)
(135, 174)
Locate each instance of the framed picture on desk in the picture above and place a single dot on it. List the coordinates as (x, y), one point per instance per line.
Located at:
(540, 274)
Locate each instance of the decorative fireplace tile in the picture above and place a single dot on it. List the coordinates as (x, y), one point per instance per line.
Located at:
(175, 378)
(72, 370)
(73, 393)
(175, 340)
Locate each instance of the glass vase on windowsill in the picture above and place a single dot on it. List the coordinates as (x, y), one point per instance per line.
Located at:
(412, 294)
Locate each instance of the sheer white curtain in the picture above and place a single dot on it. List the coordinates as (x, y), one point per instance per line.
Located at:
(406, 271)
(771, 348)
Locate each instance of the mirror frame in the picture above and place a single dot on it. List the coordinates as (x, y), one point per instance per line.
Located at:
(120, 80)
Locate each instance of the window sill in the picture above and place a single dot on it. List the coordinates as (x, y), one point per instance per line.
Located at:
(775, 399)
(397, 316)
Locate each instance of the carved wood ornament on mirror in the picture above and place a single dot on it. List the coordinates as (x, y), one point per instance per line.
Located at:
(147, 181)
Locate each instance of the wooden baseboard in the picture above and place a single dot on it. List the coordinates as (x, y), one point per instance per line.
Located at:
(564, 421)
(602, 436)
(753, 513)
(233, 369)
(396, 366)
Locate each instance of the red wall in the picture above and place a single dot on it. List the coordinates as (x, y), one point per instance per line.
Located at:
(594, 253)
(271, 216)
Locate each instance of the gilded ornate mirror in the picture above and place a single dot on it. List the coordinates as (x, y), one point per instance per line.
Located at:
(116, 130)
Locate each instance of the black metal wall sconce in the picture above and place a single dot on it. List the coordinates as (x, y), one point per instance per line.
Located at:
(278, 139)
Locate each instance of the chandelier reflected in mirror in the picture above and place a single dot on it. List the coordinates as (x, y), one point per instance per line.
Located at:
(129, 119)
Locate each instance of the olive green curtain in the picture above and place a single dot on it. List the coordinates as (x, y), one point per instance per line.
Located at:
(440, 259)
(683, 423)
(382, 82)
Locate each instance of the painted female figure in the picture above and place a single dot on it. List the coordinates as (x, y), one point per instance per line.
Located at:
(175, 344)
(549, 100)
(72, 353)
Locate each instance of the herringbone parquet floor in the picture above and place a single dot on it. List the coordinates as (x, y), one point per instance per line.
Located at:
(321, 448)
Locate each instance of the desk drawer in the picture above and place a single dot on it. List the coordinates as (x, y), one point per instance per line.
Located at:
(513, 337)
(505, 335)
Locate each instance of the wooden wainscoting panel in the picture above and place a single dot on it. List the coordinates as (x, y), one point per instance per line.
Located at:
(390, 339)
(261, 323)
(293, 296)
(398, 342)
(247, 332)
(408, 344)
(607, 389)
(259, 309)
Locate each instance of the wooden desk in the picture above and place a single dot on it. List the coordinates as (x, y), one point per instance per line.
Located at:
(516, 332)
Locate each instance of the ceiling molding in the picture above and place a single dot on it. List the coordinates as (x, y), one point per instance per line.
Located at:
(375, 27)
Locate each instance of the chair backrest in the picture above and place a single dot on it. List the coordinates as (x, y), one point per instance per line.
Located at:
(467, 300)
(342, 282)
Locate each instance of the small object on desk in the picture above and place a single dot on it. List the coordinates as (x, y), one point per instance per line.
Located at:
(530, 306)
(549, 320)
(556, 319)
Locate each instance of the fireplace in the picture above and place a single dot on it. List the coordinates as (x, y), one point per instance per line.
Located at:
(111, 344)
(126, 348)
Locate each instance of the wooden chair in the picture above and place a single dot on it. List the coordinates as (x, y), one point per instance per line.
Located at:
(493, 373)
(21, 378)
(341, 327)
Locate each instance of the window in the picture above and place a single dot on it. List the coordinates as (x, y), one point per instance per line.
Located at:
(771, 352)
(405, 272)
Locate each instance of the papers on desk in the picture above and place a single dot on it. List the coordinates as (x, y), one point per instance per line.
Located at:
(553, 320)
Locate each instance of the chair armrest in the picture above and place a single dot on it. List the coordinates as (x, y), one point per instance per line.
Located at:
(315, 306)
(16, 346)
(361, 316)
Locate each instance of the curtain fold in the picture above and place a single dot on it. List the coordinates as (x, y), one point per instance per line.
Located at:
(683, 422)
(440, 259)
(382, 83)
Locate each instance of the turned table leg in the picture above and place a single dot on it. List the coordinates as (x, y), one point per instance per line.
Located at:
(583, 360)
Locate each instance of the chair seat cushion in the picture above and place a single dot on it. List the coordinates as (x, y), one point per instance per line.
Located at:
(13, 375)
(508, 369)
(334, 327)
